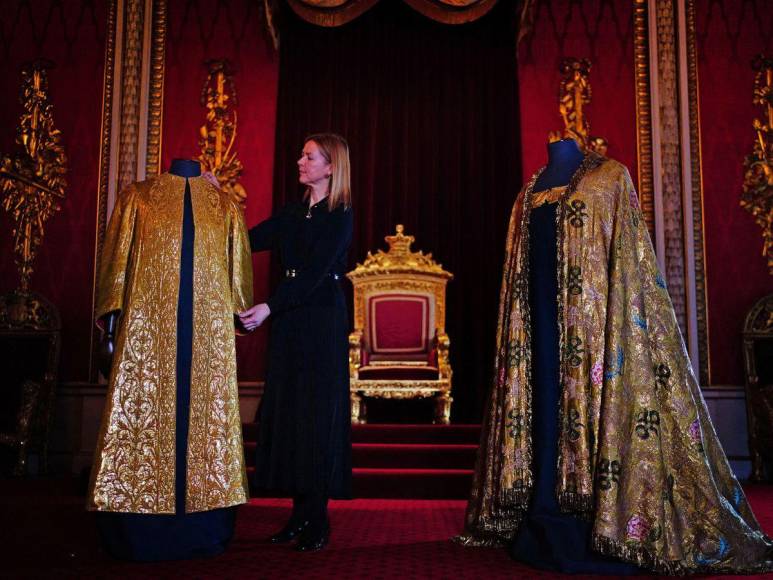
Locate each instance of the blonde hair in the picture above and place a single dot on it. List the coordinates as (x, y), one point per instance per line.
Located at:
(335, 150)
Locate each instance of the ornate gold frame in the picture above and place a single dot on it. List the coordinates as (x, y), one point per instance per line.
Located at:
(645, 154)
(130, 15)
(400, 269)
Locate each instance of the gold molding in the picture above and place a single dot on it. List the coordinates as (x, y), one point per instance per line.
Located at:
(108, 88)
(156, 92)
(120, 157)
(696, 187)
(643, 113)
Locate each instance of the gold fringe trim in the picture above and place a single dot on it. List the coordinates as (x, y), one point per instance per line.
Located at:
(636, 554)
(576, 503)
(479, 541)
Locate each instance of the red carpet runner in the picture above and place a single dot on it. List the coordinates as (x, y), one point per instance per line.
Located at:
(48, 534)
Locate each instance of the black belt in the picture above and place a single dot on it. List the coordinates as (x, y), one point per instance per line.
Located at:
(293, 273)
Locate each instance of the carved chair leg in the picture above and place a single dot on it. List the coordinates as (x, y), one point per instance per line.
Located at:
(359, 409)
(442, 409)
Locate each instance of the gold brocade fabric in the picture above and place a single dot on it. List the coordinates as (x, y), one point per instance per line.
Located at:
(638, 454)
(134, 467)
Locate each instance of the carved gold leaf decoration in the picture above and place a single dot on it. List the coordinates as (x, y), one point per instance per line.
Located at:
(757, 195)
(218, 134)
(32, 179)
(574, 94)
(399, 258)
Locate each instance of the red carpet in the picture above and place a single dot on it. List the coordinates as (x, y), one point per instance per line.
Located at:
(47, 534)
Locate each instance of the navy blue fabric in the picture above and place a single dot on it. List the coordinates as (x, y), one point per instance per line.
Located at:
(547, 538)
(180, 536)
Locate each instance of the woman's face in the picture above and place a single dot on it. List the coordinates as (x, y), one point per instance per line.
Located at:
(313, 168)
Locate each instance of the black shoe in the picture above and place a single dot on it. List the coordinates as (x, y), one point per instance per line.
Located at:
(313, 539)
(289, 532)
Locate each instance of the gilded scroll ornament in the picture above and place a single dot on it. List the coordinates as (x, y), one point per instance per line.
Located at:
(575, 93)
(218, 134)
(33, 178)
(757, 196)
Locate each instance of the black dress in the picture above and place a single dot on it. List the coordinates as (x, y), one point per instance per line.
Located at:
(304, 442)
(548, 538)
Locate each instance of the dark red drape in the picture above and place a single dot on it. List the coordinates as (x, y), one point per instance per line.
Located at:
(431, 115)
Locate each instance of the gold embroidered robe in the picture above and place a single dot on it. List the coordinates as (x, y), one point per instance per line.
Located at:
(638, 454)
(134, 467)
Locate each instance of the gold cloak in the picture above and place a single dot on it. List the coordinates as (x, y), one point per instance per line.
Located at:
(134, 466)
(638, 454)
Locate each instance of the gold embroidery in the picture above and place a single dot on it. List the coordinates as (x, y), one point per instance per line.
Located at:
(551, 195)
(134, 469)
(622, 357)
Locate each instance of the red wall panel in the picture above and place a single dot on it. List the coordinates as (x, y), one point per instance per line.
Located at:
(729, 34)
(72, 35)
(599, 30)
(198, 31)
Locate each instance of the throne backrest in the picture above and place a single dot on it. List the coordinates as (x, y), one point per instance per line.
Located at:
(399, 324)
(399, 301)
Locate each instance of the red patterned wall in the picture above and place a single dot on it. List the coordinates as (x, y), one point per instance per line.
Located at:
(729, 34)
(200, 30)
(72, 34)
(600, 30)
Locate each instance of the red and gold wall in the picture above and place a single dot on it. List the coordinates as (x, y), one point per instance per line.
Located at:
(72, 35)
(728, 33)
(199, 31)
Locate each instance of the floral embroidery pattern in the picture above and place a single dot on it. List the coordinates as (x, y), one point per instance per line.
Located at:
(597, 374)
(515, 424)
(609, 473)
(617, 369)
(575, 280)
(515, 353)
(637, 529)
(573, 424)
(574, 350)
(647, 423)
(577, 213)
(662, 374)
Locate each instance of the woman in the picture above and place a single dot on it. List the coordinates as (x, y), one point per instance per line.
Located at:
(304, 446)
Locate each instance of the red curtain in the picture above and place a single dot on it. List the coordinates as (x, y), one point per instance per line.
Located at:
(339, 12)
(431, 115)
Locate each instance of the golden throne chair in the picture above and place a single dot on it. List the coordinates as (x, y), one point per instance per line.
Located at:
(399, 347)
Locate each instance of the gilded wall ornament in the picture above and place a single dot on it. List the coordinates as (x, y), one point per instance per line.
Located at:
(757, 195)
(32, 179)
(218, 134)
(574, 94)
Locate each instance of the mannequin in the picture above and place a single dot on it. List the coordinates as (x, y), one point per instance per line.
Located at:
(548, 538)
(564, 157)
(181, 530)
(597, 451)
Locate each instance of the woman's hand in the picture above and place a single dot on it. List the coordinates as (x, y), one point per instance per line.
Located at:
(209, 176)
(255, 316)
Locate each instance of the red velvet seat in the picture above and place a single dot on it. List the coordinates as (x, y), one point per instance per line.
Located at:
(399, 348)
